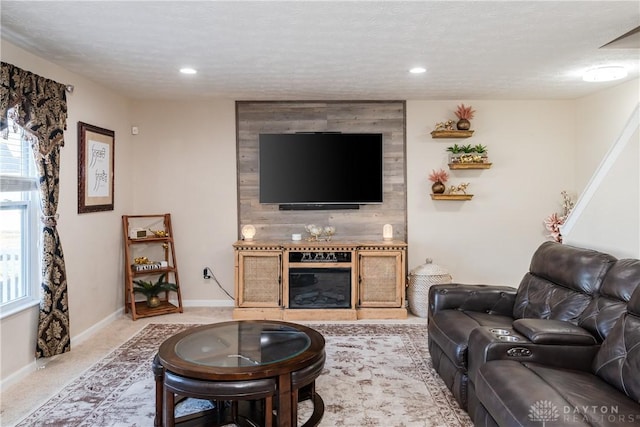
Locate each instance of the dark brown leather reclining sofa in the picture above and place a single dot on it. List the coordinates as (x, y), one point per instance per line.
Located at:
(490, 344)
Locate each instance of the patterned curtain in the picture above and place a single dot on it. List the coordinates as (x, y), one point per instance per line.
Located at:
(39, 106)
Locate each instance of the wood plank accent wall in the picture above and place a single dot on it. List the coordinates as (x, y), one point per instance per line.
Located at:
(386, 117)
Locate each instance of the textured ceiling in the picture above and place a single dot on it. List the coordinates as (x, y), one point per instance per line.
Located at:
(329, 50)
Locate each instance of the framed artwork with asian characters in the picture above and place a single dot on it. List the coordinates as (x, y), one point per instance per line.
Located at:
(96, 147)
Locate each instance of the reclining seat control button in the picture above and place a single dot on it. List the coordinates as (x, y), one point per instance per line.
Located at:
(518, 352)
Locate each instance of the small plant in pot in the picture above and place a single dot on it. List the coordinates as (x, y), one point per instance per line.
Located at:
(468, 149)
(455, 151)
(464, 114)
(438, 177)
(152, 290)
(469, 155)
(482, 152)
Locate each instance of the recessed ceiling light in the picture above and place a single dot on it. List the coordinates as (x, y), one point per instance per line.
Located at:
(418, 70)
(604, 74)
(188, 70)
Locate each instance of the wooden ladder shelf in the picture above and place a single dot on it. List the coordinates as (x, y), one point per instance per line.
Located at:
(152, 236)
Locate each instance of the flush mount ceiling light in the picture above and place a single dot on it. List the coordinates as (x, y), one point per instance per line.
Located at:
(604, 74)
(188, 70)
(418, 70)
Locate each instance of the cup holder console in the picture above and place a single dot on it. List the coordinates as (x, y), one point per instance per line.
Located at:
(508, 338)
(504, 334)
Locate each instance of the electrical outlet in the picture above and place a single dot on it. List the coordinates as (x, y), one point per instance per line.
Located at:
(205, 273)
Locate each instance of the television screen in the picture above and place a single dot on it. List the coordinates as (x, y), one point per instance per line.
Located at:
(321, 168)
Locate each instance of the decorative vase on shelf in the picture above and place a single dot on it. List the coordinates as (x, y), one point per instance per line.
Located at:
(463, 124)
(153, 301)
(438, 188)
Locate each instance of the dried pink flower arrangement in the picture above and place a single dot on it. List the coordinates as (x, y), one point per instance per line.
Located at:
(439, 175)
(553, 222)
(465, 112)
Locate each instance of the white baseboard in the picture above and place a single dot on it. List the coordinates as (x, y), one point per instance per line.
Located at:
(75, 340)
(89, 332)
(208, 303)
(17, 376)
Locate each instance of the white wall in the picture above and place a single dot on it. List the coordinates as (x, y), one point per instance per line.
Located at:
(92, 243)
(489, 239)
(610, 220)
(599, 120)
(186, 165)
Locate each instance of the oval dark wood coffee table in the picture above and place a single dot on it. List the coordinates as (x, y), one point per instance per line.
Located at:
(242, 360)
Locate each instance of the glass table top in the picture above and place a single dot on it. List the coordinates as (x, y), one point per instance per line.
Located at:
(239, 344)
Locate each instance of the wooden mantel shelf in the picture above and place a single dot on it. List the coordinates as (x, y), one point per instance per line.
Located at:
(470, 165)
(451, 133)
(451, 196)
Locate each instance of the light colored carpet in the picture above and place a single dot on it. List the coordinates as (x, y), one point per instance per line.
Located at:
(375, 375)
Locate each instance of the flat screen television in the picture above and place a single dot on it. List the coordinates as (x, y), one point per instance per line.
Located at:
(320, 170)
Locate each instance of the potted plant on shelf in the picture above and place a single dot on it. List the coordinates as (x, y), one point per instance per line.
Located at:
(152, 290)
(438, 177)
(470, 155)
(455, 151)
(468, 149)
(481, 150)
(464, 114)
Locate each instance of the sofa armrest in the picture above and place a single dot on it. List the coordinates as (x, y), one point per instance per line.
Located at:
(486, 344)
(548, 331)
(483, 298)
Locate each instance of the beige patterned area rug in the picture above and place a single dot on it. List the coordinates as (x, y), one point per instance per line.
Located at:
(375, 375)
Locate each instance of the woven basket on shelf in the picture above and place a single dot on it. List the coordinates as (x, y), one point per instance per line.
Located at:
(420, 280)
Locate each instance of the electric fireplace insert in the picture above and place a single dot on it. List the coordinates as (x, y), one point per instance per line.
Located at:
(325, 283)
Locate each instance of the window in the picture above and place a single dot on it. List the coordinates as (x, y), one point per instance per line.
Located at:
(19, 232)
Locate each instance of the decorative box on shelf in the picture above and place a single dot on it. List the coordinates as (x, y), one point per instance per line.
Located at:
(137, 233)
(149, 266)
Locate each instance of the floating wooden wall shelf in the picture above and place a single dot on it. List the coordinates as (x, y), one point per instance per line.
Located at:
(451, 196)
(451, 133)
(470, 165)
